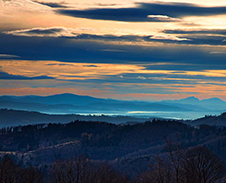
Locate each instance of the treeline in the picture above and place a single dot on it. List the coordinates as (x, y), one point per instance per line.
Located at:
(11, 172)
(193, 165)
(130, 149)
(30, 137)
(75, 170)
(110, 141)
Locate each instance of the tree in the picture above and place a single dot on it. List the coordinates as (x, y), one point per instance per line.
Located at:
(202, 166)
(75, 170)
(32, 175)
(159, 172)
(194, 165)
(9, 171)
(104, 173)
(176, 157)
(81, 170)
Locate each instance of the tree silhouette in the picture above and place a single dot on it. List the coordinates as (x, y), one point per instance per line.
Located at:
(202, 166)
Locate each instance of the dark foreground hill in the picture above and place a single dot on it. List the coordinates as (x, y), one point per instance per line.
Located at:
(129, 148)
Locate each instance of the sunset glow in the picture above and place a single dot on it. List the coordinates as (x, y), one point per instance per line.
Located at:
(129, 50)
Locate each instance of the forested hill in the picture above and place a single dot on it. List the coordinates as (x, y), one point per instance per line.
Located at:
(210, 120)
(130, 145)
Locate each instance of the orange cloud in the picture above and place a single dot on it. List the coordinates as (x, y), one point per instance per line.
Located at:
(42, 91)
(82, 71)
(66, 71)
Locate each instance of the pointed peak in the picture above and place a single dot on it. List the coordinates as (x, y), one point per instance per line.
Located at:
(191, 98)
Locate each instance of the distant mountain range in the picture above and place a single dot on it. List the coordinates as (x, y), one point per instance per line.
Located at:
(212, 103)
(75, 104)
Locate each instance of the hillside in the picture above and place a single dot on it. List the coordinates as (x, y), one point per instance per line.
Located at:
(133, 146)
(210, 120)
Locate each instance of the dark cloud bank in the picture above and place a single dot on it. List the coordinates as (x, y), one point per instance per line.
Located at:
(88, 49)
(5, 75)
(206, 37)
(142, 11)
(201, 31)
(51, 4)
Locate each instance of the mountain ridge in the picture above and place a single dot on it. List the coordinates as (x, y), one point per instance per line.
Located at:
(68, 103)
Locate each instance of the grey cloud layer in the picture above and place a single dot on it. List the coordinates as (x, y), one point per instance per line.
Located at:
(50, 31)
(146, 12)
(8, 56)
(88, 49)
(51, 4)
(201, 31)
(62, 32)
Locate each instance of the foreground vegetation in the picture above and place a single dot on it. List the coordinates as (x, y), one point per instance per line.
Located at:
(193, 165)
(161, 151)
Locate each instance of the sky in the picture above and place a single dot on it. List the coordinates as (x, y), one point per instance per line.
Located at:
(127, 50)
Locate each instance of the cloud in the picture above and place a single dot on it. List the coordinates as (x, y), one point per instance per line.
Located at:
(146, 12)
(70, 33)
(51, 4)
(200, 31)
(52, 32)
(112, 78)
(41, 32)
(168, 37)
(138, 49)
(90, 66)
(5, 75)
(162, 18)
(107, 4)
(74, 71)
(113, 50)
(30, 70)
(8, 56)
(66, 64)
(217, 52)
(18, 6)
(141, 77)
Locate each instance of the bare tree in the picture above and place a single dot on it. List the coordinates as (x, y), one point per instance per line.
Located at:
(75, 170)
(81, 170)
(32, 175)
(104, 173)
(202, 166)
(176, 158)
(161, 171)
